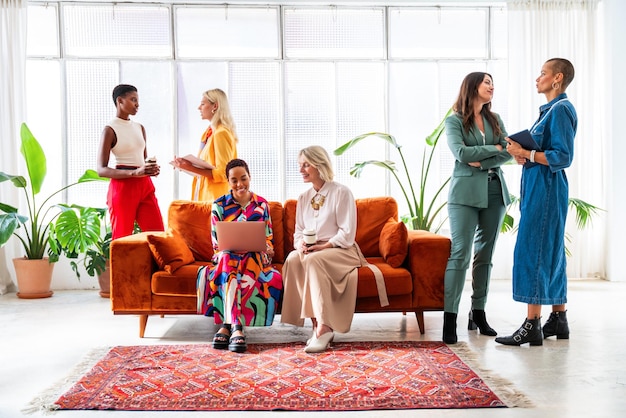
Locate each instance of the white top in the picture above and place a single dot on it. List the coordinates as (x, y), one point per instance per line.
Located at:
(335, 221)
(130, 145)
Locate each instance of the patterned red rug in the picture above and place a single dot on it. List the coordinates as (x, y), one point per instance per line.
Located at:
(349, 376)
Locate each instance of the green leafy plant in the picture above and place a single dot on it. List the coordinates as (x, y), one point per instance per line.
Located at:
(584, 212)
(82, 231)
(422, 210)
(33, 229)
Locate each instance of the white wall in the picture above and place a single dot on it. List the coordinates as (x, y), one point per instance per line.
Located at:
(615, 32)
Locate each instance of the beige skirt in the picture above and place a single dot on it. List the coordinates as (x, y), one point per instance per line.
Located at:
(321, 285)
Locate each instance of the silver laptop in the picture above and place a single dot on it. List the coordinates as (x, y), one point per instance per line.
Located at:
(243, 237)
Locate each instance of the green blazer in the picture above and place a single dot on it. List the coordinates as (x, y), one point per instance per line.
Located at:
(469, 185)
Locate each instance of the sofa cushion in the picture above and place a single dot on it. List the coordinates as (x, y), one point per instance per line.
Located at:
(289, 220)
(170, 250)
(372, 215)
(393, 243)
(398, 281)
(276, 212)
(181, 283)
(192, 220)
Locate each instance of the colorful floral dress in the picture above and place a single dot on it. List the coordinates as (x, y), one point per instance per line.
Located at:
(240, 288)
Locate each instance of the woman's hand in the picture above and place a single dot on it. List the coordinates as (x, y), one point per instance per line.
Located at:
(181, 163)
(514, 148)
(319, 246)
(147, 170)
(516, 151)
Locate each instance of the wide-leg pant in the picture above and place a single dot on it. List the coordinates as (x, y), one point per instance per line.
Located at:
(131, 200)
(482, 226)
(321, 285)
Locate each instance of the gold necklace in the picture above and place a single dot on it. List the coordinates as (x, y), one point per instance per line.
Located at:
(317, 202)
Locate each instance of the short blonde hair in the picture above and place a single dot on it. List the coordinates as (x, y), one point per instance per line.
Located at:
(318, 158)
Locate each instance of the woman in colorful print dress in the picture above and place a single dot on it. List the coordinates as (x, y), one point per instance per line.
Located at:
(239, 288)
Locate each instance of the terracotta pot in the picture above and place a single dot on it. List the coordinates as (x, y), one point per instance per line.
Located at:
(33, 278)
(105, 282)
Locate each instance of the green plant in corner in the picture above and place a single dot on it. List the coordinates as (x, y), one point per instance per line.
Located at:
(422, 212)
(33, 229)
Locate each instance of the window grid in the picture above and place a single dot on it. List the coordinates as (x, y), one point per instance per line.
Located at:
(329, 81)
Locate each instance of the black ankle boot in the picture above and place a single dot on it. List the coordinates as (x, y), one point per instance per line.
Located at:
(556, 325)
(529, 332)
(449, 328)
(477, 319)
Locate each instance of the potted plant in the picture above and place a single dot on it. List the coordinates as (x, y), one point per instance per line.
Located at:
(84, 231)
(33, 229)
(422, 213)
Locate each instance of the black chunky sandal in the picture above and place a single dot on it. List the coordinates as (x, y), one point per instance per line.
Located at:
(237, 343)
(220, 339)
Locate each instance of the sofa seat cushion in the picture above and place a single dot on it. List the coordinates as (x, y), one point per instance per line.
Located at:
(180, 283)
(398, 281)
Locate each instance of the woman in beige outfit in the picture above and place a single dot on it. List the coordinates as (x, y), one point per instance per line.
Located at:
(320, 279)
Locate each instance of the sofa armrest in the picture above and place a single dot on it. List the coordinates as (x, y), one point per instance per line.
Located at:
(427, 258)
(132, 266)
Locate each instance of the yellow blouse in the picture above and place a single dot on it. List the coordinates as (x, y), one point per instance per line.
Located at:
(220, 148)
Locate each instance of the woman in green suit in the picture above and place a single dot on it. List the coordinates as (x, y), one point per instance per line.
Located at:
(477, 199)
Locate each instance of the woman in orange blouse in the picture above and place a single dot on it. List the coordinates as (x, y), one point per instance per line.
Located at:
(218, 146)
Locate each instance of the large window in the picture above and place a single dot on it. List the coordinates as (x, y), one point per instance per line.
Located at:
(295, 76)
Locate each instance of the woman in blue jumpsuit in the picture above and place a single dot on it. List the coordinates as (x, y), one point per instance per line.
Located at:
(539, 276)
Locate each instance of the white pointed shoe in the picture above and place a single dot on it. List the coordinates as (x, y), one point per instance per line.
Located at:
(319, 344)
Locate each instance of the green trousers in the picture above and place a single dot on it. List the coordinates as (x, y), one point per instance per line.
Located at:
(477, 227)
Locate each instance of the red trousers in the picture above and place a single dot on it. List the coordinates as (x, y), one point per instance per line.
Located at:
(131, 200)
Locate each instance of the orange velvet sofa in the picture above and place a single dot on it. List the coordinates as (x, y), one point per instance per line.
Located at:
(154, 273)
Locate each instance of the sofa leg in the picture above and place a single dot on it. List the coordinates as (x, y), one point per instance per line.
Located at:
(143, 321)
(420, 320)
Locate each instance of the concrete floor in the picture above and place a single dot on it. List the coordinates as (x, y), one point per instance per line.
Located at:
(43, 340)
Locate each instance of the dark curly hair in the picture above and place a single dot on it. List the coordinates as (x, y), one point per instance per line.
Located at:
(236, 163)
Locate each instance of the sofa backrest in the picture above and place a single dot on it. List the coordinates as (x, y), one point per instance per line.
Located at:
(372, 214)
(192, 220)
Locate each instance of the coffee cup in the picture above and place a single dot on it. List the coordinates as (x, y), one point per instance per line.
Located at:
(309, 236)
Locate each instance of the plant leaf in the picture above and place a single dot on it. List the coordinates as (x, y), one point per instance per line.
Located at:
(91, 175)
(584, 212)
(357, 168)
(78, 230)
(433, 138)
(35, 159)
(18, 181)
(354, 141)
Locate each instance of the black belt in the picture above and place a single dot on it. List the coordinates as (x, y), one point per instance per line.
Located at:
(492, 176)
(126, 167)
